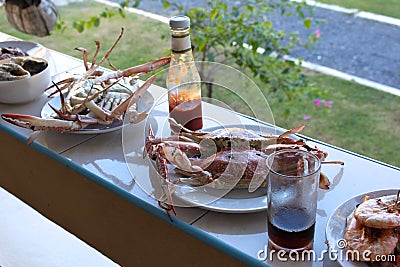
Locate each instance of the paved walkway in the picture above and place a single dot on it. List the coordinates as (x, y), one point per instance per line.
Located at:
(64, 2)
(357, 46)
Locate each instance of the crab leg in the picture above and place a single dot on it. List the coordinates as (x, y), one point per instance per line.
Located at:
(147, 67)
(85, 56)
(93, 67)
(292, 131)
(172, 141)
(75, 117)
(161, 164)
(96, 53)
(67, 82)
(134, 98)
(271, 148)
(140, 69)
(339, 162)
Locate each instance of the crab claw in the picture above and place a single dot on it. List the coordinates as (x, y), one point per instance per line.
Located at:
(23, 121)
(324, 182)
(40, 124)
(176, 157)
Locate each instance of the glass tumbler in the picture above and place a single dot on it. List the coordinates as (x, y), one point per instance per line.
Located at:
(293, 180)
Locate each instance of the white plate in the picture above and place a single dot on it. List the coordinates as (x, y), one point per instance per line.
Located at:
(336, 226)
(235, 201)
(31, 48)
(144, 104)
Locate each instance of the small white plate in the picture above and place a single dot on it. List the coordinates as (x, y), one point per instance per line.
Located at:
(336, 226)
(31, 48)
(237, 200)
(144, 104)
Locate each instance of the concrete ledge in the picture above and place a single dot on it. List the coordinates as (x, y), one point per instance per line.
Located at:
(123, 232)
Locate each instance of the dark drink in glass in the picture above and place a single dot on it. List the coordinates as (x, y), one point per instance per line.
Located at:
(292, 199)
(291, 229)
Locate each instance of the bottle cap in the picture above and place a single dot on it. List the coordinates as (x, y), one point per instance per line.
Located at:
(179, 22)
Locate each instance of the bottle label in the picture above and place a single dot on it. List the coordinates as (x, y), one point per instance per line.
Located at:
(181, 44)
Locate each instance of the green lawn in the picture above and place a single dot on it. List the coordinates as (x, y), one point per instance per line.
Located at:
(141, 41)
(389, 8)
(362, 120)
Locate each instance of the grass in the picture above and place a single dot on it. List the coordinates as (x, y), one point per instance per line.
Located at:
(141, 41)
(362, 120)
(389, 8)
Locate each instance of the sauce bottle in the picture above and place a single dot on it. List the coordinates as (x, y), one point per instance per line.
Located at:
(183, 79)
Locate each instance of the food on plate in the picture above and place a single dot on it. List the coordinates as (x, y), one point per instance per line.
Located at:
(8, 52)
(226, 158)
(16, 68)
(382, 212)
(224, 167)
(373, 231)
(206, 157)
(95, 97)
(362, 238)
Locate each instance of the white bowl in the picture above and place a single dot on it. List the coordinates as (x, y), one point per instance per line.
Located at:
(26, 89)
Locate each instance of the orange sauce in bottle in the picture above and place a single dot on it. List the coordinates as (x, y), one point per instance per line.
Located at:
(186, 111)
(183, 79)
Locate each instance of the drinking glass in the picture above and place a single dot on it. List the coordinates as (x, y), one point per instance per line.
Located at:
(293, 180)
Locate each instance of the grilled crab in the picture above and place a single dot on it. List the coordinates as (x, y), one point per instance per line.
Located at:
(211, 142)
(228, 137)
(222, 159)
(230, 148)
(95, 97)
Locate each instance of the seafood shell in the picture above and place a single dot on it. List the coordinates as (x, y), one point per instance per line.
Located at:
(31, 64)
(12, 71)
(8, 52)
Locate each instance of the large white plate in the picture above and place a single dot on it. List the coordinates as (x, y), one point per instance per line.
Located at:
(235, 201)
(144, 104)
(336, 226)
(31, 48)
